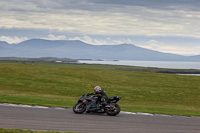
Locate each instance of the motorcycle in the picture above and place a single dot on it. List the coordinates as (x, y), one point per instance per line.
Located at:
(90, 104)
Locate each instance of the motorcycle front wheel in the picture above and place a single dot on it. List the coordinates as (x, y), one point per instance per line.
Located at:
(79, 108)
(113, 110)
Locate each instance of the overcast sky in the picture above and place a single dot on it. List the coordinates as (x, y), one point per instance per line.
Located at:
(171, 26)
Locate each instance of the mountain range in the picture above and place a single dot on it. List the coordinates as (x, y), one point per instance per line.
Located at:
(36, 48)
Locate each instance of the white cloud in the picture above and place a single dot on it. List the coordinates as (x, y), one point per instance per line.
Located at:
(162, 47)
(87, 18)
(12, 40)
(153, 44)
(89, 40)
(15, 39)
(54, 37)
(128, 18)
(106, 41)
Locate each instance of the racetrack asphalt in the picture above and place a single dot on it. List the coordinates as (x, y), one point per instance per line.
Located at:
(50, 119)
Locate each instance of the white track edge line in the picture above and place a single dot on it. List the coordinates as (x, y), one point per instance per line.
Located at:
(121, 112)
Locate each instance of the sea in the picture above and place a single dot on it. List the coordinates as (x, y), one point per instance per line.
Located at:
(158, 64)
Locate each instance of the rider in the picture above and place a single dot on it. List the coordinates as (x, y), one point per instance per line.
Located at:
(101, 94)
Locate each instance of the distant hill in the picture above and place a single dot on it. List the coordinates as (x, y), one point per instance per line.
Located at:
(41, 59)
(36, 48)
(2, 43)
(196, 56)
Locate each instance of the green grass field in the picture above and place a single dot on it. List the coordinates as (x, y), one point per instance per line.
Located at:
(57, 84)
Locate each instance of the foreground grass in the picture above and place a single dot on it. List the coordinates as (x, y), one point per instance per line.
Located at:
(3, 130)
(61, 85)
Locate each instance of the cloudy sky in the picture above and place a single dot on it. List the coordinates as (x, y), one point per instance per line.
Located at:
(171, 26)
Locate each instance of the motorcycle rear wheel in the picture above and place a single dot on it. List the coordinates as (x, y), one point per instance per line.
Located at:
(79, 108)
(114, 111)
